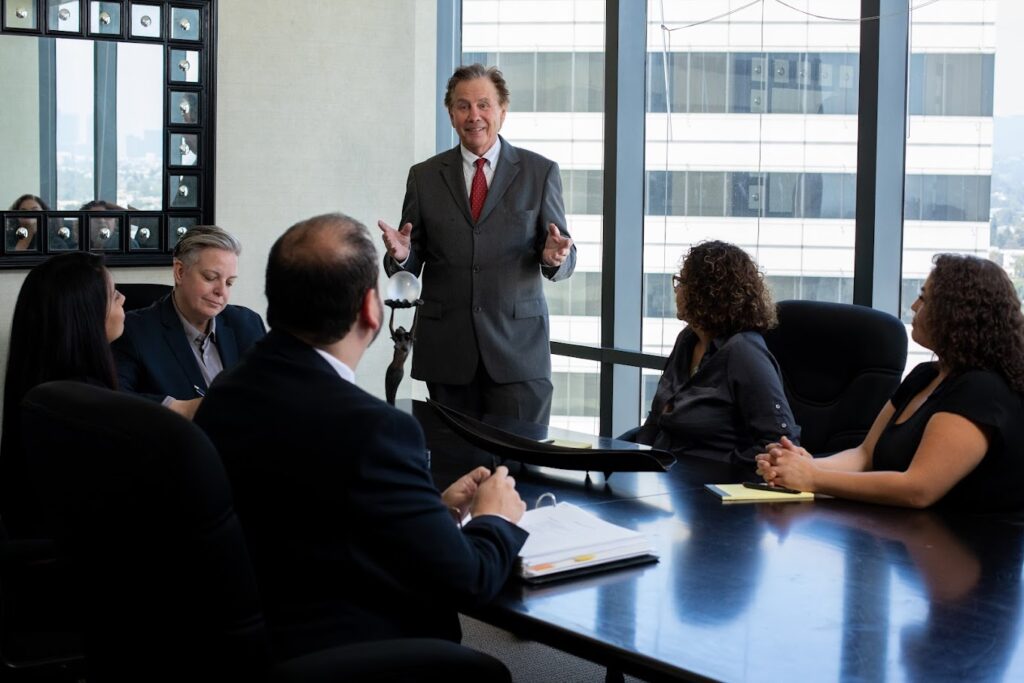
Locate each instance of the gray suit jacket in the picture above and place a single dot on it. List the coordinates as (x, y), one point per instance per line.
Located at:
(483, 296)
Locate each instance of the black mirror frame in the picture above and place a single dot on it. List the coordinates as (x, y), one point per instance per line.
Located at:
(172, 218)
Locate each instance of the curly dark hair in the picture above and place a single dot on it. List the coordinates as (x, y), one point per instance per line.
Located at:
(723, 291)
(973, 319)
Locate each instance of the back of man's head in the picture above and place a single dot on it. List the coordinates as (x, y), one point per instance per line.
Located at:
(318, 274)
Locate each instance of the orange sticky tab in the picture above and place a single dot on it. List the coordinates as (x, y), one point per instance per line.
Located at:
(541, 567)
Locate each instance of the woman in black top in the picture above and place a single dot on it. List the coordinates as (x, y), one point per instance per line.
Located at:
(66, 315)
(721, 394)
(954, 430)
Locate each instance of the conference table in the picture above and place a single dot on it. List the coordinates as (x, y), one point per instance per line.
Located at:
(817, 591)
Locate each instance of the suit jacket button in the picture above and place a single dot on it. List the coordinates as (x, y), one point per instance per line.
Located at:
(476, 269)
(476, 231)
(477, 309)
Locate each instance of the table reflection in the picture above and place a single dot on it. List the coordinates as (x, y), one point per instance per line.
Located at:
(829, 590)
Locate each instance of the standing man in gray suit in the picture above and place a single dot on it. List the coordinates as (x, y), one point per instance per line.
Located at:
(484, 221)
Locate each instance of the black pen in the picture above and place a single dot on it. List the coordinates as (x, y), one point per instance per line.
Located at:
(761, 486)
(199, 392)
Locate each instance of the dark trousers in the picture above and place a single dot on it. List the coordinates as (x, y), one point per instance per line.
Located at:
(529, 401)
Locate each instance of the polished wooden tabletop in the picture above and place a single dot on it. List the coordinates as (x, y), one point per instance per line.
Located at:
(822, 591)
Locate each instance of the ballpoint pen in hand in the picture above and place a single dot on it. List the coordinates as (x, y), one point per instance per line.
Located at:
(199, 392)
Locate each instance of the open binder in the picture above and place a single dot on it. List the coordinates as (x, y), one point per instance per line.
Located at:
(566, 540)
(584, 457)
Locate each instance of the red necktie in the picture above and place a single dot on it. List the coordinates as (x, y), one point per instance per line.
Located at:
(478, 192)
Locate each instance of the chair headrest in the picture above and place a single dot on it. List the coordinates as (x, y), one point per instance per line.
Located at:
(823, 346)
(96, 444)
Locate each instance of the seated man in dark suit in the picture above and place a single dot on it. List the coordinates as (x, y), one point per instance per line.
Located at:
(172, 350)
(349, 537)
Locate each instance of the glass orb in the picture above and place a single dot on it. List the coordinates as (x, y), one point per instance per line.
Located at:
(403, 286)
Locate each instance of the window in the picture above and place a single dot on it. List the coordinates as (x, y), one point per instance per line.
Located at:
(950, 157)
(757, 147)
(554, 66)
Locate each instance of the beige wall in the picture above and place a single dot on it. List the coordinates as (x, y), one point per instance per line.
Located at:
(322, 105)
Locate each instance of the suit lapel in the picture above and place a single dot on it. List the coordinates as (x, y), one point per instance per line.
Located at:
(455, 180)
(175, 337)
(227, 346)
(505, 172)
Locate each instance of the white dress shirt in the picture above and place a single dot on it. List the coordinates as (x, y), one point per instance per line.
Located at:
(344, 371)
(469, 164)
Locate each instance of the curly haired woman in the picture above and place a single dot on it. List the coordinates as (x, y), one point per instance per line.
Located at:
(953, 433)
(721, 394)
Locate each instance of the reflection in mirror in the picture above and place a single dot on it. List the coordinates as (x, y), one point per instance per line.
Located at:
(184, 23)
(184, 107)
(104, 231)
(119, 160)
(75, 153)
(186, 66)
(21, 233)
(19, 14)
(63, 15)
(105, 18)
(139, 126)
(184, 191)
(144, 233)
(146, 21)
(176, 227)
(184, 147)
(62, 234)
(19, 118)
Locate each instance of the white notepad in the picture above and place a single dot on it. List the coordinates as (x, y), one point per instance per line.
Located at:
(565, 538)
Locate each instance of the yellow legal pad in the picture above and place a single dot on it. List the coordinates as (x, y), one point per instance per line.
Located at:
(738, 493)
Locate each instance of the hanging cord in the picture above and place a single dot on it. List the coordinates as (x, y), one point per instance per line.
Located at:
(823, 17)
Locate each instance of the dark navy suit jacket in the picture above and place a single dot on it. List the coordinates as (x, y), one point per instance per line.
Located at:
(154, 357)
(348, 535)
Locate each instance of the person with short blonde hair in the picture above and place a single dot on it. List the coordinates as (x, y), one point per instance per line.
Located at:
(172, 350)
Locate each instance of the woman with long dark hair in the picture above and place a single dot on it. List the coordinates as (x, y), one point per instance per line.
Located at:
(721, 395)
(67, 313)
(953, 433)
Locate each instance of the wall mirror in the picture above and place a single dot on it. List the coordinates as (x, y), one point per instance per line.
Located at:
(107, 128)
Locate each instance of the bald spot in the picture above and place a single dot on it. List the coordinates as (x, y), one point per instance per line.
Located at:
(324, 240)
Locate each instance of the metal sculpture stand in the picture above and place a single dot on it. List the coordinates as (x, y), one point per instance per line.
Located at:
(403, 339)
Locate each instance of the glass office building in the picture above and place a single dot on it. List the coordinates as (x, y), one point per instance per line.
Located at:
(750, 136)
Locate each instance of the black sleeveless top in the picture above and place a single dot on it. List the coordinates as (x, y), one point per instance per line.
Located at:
(984, 398)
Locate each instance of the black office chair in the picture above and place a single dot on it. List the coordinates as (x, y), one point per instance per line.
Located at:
(139, 503)
(840, 363)
(40, 639)
(141, 294)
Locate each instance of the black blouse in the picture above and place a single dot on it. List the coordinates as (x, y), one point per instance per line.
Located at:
(729, 410)
(984, 398)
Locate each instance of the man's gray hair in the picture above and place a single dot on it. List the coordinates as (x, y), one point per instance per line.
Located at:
(201, 237)
(469, 72)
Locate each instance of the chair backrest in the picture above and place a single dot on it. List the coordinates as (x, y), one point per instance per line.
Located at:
(141, 294)
(138, 501)
(840, 363)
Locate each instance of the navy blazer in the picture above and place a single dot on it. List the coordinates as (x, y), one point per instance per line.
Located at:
(348, 535)
(483, 294)
(154, 357)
